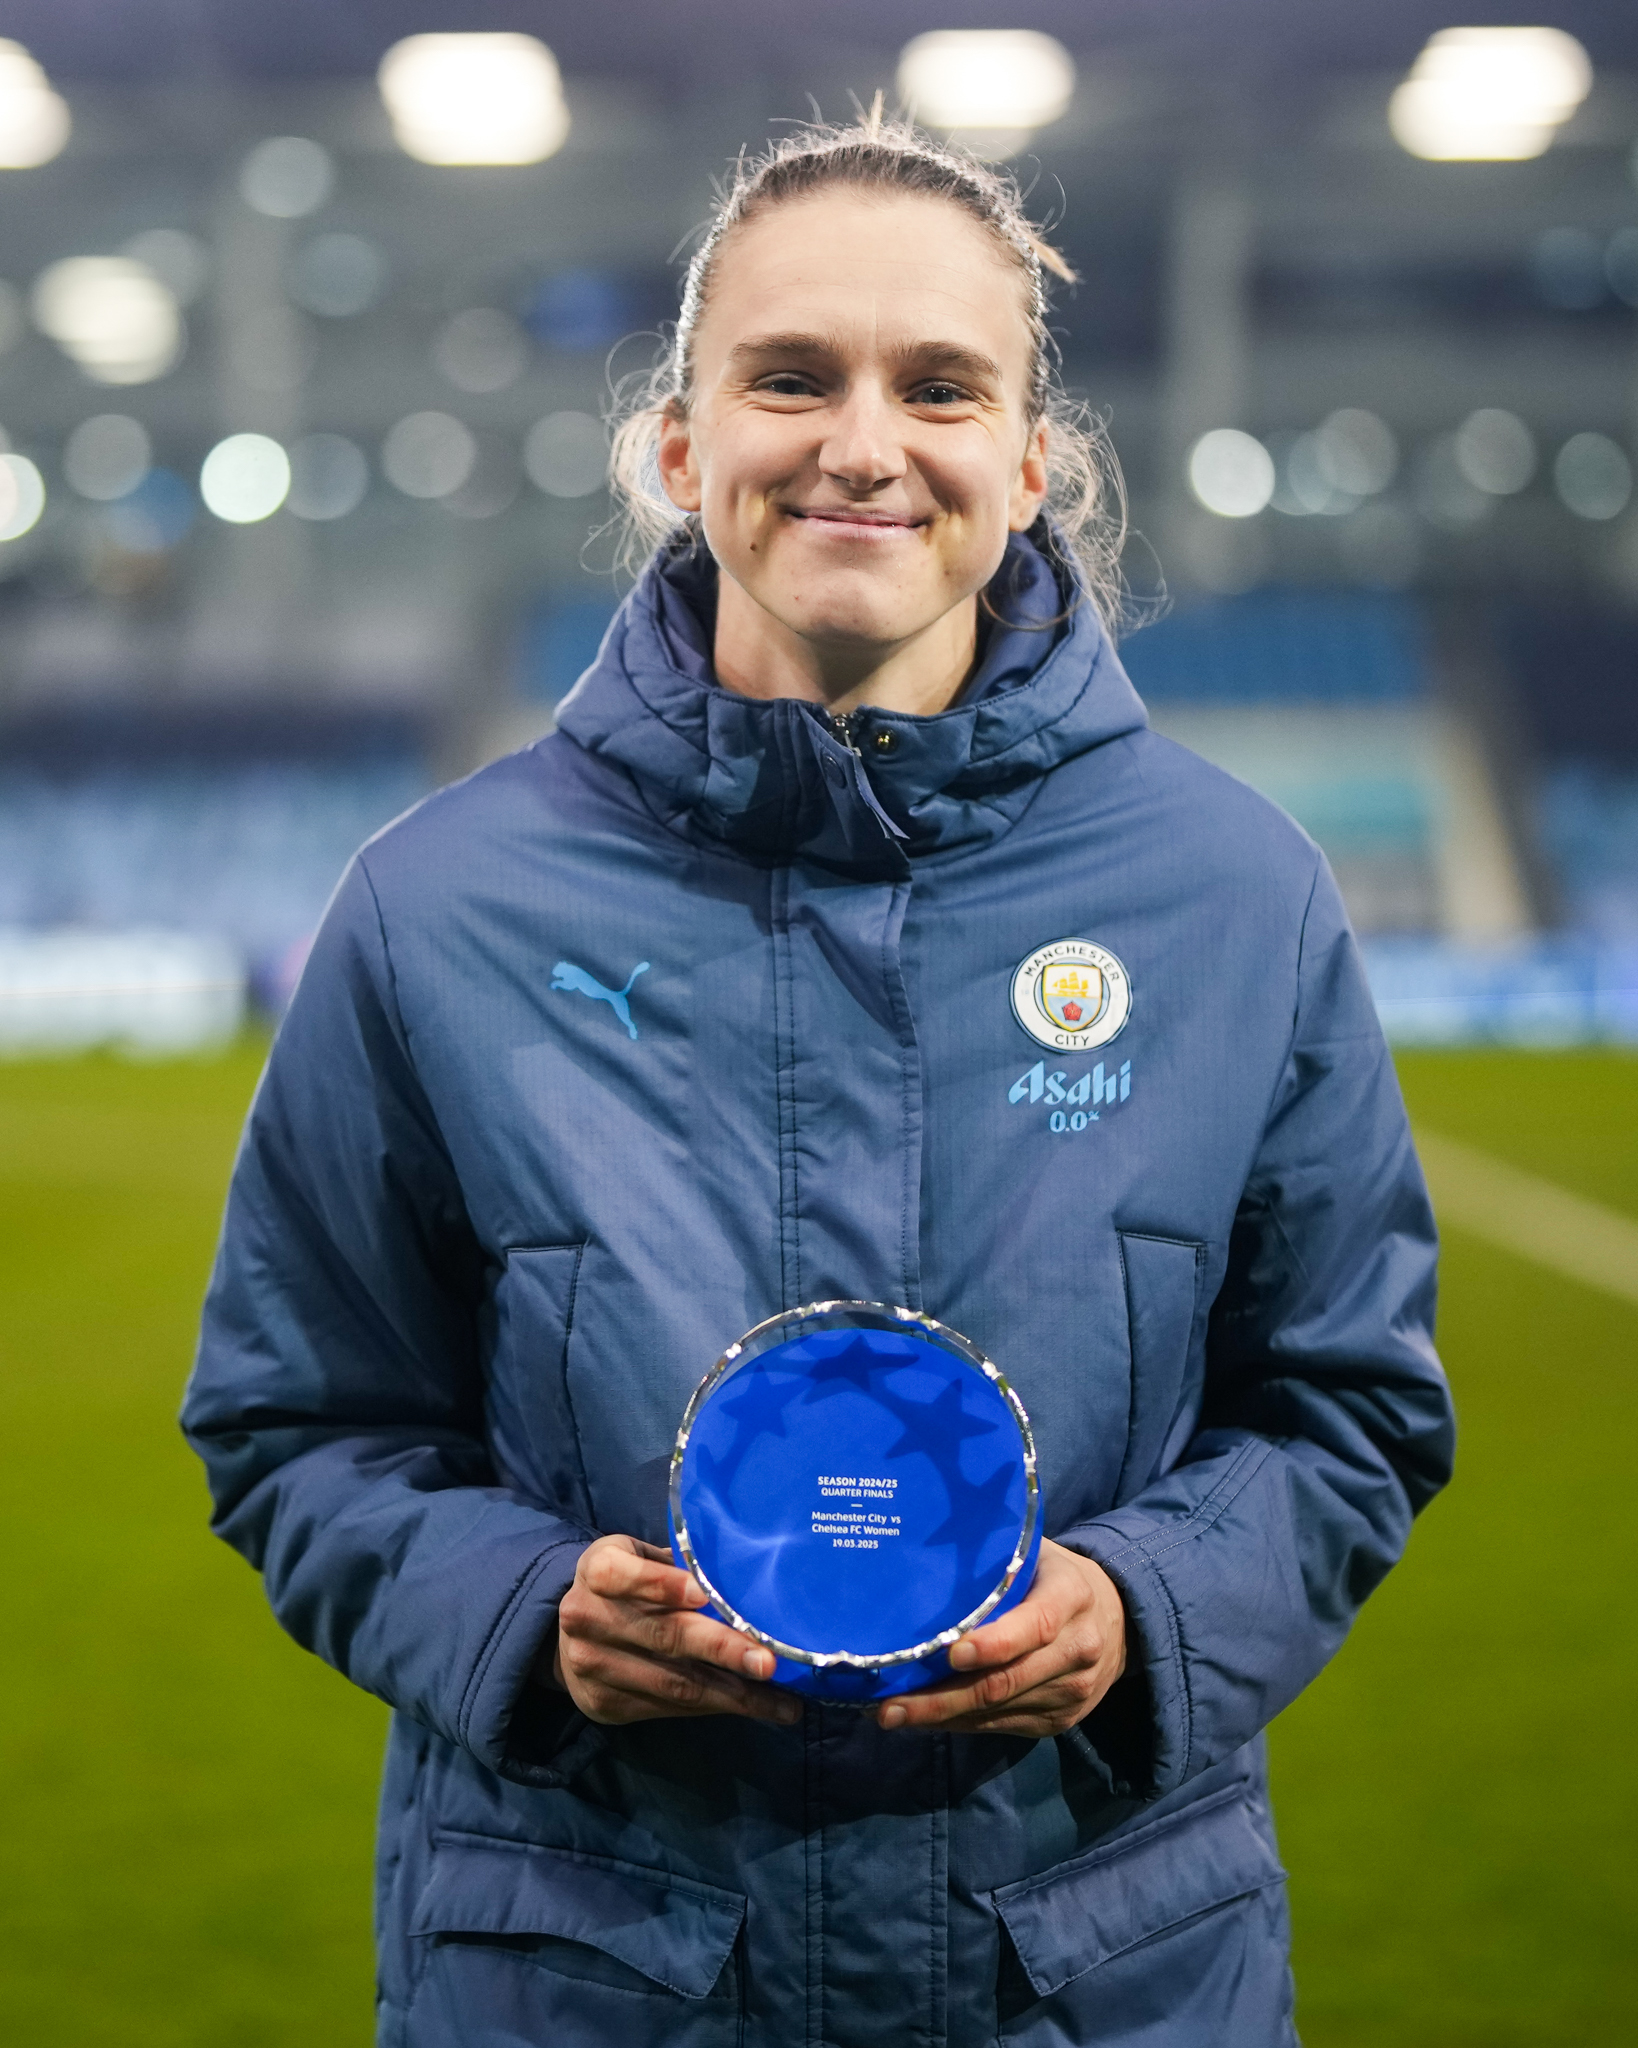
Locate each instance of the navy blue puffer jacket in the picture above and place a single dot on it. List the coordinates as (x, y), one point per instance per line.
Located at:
(492, 1220)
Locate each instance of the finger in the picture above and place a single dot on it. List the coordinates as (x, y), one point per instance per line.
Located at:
(625, 1685)
(586, 1617)
(1066, 1667)
(1031, 1625)
(616, 1572)
(673, 1634)
(1043, 1710)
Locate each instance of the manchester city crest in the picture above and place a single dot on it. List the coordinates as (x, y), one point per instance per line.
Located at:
(1071, 995)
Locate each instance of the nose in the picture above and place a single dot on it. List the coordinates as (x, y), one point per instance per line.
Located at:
(862, 449)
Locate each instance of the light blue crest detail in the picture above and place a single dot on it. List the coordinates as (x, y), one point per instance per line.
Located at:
(567, 978)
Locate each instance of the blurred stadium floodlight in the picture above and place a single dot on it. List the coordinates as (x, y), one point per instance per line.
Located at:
(567, 454)
(1350, 456)
(106, 457)
(1356, 452)
(428, 455)
(34, 121)
(474, 99)
(179, 260)
(991, 87)
(286, 177)
(329, 476)
(112, 315)
(481, 350)
(1489, 94)
(1231, 473)
(22, 496)
(245, 478)
(1593, 476)
(1495, 451)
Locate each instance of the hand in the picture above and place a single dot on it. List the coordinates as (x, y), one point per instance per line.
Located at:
(1039, 1669)
(632, 1647)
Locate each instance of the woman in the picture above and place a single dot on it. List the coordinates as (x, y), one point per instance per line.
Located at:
(725, 998)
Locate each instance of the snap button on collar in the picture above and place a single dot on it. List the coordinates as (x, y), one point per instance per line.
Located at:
(886, 741)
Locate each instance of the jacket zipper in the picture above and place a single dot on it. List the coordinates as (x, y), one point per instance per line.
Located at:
(841, 725)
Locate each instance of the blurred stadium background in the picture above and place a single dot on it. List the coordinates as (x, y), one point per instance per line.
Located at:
(302, 512)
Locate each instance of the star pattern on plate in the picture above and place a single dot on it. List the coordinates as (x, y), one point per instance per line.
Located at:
(756, 1403)
(974, 1517)
(944, 1418)
(854, 1368)
(705, 1469)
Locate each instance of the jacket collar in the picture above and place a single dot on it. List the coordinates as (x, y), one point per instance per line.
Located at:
(775, 781)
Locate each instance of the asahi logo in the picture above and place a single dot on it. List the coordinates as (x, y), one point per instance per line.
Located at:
(1072, 1105)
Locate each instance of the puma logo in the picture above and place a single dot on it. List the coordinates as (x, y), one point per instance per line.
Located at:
(566, 977)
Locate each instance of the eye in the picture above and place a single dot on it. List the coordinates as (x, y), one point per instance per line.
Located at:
(941, 392)
(788, 384)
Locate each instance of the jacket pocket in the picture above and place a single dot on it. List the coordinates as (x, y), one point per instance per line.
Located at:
(1162, 1280)
(1178, 1928)
(556, 1944)
(531, 1418)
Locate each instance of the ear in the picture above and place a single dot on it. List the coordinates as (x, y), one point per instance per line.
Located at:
(1029, 486)
(674, 457)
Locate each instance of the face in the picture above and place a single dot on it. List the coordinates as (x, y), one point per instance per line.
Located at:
(859, 446)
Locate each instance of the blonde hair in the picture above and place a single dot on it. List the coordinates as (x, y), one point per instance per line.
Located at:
(1086, 496)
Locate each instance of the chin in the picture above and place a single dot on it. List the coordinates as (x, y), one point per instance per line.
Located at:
(861, 608)
(851, 624)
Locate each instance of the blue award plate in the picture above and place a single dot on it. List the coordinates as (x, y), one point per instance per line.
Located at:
(854, 1486)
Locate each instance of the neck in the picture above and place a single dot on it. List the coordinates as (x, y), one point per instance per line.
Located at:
(759, 657)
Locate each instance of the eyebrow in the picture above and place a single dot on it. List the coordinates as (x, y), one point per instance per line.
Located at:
(930, 355)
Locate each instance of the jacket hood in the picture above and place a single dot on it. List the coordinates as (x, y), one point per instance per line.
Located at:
(774, 780)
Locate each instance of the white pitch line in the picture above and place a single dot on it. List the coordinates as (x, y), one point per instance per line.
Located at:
(1533, 1217)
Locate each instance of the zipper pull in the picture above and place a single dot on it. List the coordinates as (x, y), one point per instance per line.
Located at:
(841, 726)
(841, 723)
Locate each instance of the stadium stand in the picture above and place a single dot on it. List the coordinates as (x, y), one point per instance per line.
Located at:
(1576, 672)
(154, 833)
(1333, 703)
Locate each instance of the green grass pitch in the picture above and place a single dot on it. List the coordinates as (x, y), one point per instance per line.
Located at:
(188, 1799)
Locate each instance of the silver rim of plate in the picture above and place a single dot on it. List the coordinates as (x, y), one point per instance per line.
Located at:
(782, 1329)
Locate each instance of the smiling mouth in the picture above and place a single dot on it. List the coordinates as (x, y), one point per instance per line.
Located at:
(857, 520)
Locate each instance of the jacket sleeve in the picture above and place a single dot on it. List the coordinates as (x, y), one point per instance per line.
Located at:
(1325, 1422)
(337, 1398)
